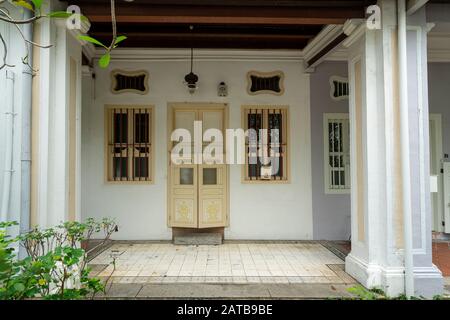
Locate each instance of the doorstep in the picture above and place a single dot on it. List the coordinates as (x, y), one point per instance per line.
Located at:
(226, 291)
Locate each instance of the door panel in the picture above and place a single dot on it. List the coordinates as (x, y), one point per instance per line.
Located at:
(212, 120)
(212, 196)
(184, 194)
(184, 119)
(198, 193)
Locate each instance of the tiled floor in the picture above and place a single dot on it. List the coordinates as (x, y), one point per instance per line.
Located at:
(441, 257)
(227, 263)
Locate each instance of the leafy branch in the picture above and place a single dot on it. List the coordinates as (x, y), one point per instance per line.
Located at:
(35, 6)
(106, 57)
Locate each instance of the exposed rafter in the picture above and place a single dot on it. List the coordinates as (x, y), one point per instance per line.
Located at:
(254, 24)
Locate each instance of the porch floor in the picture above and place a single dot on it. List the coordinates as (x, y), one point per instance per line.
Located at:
(230, 263)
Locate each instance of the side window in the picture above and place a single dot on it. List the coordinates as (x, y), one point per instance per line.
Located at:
(336, 133)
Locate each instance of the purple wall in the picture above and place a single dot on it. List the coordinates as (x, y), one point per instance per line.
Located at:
(439, 98)
(331, 212)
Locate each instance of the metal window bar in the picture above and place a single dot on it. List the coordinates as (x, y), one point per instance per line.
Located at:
(265, 122)
(337, 153)
(129, 144)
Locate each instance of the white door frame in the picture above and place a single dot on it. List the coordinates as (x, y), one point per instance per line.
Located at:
(438, 217)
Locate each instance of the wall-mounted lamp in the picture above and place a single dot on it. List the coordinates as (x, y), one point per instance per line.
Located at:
(222, 89)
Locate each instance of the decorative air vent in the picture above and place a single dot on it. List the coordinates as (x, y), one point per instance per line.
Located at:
(339, 88)
(265, 82)
(129, 81)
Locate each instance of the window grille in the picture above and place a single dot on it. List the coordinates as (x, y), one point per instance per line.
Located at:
(129, 81)
(267, 141)
(339, 88)
(129, 143)
(262, 82)
(337, 153)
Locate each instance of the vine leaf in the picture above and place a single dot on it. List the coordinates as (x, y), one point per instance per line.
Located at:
(118, 40)
(37, 4)
(104, 60)
(24, 4)
(59, 14)
(92, 40)
(64, 14)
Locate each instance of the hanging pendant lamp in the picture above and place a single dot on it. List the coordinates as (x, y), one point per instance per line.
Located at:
(191, 79)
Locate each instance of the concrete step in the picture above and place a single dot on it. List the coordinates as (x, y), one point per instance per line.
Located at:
(198, 239)
(440, 236)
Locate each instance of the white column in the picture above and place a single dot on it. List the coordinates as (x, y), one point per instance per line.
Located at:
(52, 191)
(377, 256)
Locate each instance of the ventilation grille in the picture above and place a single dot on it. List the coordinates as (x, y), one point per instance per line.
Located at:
(123, 81)
(260, 83)
(339, 88)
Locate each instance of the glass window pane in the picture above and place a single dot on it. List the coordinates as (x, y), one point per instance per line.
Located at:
(120, 167)
(275, 124)
(253, 171)
(336, 178)
(187, 176)
(141, 167)
(141, 127)
(330, 137)
(210, 176)
(336, 137)
(254, 121)
(120, 128)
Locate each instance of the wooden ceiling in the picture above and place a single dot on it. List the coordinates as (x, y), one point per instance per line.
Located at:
(236, 24)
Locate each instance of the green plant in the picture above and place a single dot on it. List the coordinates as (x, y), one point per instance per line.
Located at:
(35, 8)
(367, 294)
(56, 266)
(106, 57)
(377, 294)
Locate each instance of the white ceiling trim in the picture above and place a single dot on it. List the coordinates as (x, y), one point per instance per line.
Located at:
(438, 55)
(413, 5)
(328, 34)
(136, 54)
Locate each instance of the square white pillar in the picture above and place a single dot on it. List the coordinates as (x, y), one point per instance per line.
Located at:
(377, 256)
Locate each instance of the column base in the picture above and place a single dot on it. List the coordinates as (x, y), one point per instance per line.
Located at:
(428, 282)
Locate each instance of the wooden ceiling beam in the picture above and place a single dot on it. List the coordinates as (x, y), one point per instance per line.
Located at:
(222, 15)
(163, 35)
(211, 42)
(246, 3)
(218, 20)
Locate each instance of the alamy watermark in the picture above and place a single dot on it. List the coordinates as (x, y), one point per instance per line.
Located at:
(374, 17)
(208, 147)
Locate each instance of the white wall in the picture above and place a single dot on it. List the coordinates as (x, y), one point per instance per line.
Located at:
(281, 211)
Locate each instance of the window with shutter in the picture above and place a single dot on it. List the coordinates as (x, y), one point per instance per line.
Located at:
(129, 143)
(267, 140)
(336, 153)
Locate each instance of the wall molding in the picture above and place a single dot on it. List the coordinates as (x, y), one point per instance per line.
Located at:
(142, 55)
(439, 55)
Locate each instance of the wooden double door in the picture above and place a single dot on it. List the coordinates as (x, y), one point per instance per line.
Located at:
(198, 193)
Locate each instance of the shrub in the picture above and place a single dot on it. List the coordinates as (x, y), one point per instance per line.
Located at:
(56, 265)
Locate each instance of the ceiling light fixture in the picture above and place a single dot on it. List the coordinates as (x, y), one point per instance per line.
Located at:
(191, 79)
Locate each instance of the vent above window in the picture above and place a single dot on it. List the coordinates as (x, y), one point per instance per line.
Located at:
(265, 82)
(339, 88)
(129, 81)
